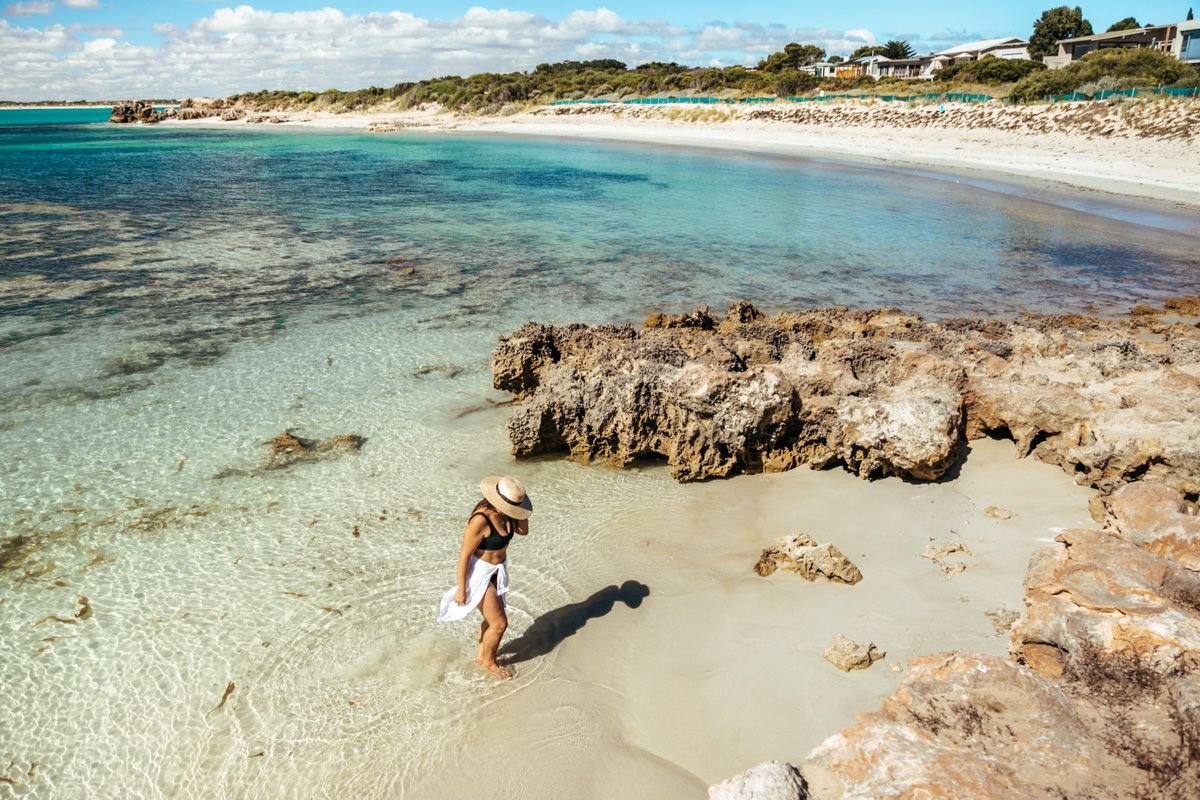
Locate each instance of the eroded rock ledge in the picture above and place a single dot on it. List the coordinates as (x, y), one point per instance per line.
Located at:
(1101, 694)
(880, 392)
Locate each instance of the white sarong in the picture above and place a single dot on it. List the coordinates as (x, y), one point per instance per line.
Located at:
(479, 575)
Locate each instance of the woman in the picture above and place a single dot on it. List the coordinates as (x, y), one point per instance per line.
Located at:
(482, 575)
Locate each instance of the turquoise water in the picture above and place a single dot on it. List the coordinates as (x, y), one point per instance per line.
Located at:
(15, 117)
(172, 298)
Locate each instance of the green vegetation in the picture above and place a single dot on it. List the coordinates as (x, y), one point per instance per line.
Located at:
(1057, 23)
(1127, 24)
(897, 49)
(990, 71)
(779, 74)
(492, 92)
(793, 56)
(865, 50)
(1101, 70)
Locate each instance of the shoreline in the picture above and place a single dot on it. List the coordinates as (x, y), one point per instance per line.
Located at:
(1148, 174)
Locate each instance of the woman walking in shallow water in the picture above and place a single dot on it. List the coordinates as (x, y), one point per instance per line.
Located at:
(482, 572)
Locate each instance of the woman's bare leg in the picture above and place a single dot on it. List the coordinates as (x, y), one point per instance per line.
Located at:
(483, 626)
(496, 621)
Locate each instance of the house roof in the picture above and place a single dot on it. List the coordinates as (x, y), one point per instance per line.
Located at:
(982, 44)
(1117, 34)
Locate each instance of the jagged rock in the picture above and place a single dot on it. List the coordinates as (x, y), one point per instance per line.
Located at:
(770, 780)
(802, 555)
(287, 449)
(136, 111)
(1157, 518)
(847, 655)
(232, 114)
(1100, 593)
(879, 392)
(965, 726)
(940, 554)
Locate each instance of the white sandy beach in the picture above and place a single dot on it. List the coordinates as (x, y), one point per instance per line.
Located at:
(1047, 152)
(719, 669)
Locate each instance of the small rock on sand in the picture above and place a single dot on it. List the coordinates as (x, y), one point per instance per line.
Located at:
(996, 512)
(940, 555)
(847, 655)
(770, 780)
(802, 555)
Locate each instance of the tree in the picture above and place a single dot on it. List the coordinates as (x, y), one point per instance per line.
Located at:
(896, 49)
(866, 50)
(836, 59)
(1127, 24)
(1057, 23)
(793, 56)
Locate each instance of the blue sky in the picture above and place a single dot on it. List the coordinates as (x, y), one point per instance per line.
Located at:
(116, 48)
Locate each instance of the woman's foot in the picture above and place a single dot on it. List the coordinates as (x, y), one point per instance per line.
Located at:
(496, 669)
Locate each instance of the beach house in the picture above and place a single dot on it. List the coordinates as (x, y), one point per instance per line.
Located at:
(1186, 44)
(1010, 47)
(822, 69)
(926, 67)
(1180, 39)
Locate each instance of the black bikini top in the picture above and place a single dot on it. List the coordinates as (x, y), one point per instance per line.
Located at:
(494, 540)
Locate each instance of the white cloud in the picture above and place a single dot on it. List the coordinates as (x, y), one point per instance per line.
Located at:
(244, 49)
(27, 9)
(82, 3)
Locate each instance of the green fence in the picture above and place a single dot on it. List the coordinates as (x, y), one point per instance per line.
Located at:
(1107, 93)
(1181, 92)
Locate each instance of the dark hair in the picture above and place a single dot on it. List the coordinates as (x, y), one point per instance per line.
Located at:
(483, 505)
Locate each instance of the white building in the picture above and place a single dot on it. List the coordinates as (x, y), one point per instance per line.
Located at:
(1186, 45)
(1181, 40)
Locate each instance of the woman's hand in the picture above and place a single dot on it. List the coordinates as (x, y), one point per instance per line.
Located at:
(460, 596)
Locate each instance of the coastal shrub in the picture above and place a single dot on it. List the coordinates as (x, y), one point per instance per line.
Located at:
(1140, 67)
(989, 70)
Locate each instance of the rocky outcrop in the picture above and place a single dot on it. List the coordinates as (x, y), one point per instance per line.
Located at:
(802, 555)
(287, 449)
(138, 111)
(1156, 518)
(1101, 699)
(770, 780)
(847, 655)
(980, 726)
(879, 392)
(1132, 589)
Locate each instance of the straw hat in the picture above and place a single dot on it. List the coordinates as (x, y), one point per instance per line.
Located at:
(507, 495)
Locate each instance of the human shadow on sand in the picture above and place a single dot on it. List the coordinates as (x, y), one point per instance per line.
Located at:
(551, 628)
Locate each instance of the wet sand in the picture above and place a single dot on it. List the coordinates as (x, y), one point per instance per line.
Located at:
(677, 666)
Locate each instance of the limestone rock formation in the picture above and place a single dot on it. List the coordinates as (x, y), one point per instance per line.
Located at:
(1158, 519)
(137, 111)
(1101, 700)
(802, 555)
(944, 556)
(1099, 593)
(980, 726)
(879, 392)
(287, 449)
(847, 655)
(770, 780)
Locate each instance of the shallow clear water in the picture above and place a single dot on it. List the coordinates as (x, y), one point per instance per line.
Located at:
(170, 299)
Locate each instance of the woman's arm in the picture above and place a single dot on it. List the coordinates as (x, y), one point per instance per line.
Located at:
(472, 536)
(521, 527)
